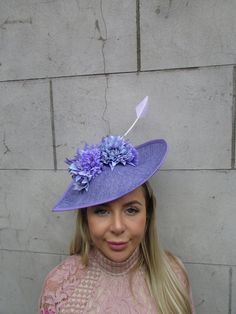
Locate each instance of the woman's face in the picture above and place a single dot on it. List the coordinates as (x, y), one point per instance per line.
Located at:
(118, 227)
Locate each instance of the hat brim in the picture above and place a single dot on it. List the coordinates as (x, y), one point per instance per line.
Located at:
(111, 185)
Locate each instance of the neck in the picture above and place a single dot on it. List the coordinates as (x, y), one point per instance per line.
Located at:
(113, 267)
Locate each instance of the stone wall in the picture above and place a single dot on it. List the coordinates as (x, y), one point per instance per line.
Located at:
(72, 71)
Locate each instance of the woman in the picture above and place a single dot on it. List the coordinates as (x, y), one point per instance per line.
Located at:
(116, 263)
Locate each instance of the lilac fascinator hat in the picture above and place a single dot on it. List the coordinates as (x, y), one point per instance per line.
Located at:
(110, 169)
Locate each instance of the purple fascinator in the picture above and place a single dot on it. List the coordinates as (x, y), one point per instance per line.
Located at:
(111, 169)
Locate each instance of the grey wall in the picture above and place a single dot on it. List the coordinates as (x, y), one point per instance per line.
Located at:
(72, 71)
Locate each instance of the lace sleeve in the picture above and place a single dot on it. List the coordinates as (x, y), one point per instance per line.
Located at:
(59, 285)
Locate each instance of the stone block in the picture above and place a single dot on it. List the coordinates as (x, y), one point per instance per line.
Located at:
(26, 139)
(177, 34)
(196, 214)
(80, 114)
(210, 287)
(21, 276)
(233, 292)
(26, 220)
(62, 38)
(191, 109)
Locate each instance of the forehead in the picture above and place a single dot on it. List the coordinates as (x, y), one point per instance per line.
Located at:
(136, 195)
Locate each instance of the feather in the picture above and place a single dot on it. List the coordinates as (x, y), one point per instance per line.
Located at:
(141, 110)
(142, 107)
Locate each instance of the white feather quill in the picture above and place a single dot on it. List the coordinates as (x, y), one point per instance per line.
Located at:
(141, 110)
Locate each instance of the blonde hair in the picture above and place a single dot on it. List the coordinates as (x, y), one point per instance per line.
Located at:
(164, 285)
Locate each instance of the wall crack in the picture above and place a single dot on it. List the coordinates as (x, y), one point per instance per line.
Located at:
(7, 149)
(102, 38)
(233, 137)
(138, 40)
(53, 125)
(16, 21)
(106, 106)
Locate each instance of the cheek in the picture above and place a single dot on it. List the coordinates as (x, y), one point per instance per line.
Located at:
(143, 226)
(139, 227)
(96, 228)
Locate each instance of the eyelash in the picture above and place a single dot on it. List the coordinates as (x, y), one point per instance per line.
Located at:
(101, 211)
(131, 211)
(134, 211)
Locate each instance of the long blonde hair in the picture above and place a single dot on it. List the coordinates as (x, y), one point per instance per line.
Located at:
(169, 294)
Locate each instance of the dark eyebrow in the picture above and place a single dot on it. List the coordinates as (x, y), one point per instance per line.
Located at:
(130, 203)
(134, 202)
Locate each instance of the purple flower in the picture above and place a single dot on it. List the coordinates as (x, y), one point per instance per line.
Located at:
(85, 166)
(115, 150)
(89, 162)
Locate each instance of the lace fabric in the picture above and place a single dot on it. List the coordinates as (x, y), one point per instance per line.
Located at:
(60, 284)
(101, 288)
(114, 268)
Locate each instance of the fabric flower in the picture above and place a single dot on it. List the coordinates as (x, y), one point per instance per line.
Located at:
(85, 166)
(115, 150)
(89, 162)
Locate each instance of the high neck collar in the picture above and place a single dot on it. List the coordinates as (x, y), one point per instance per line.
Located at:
(116, 268)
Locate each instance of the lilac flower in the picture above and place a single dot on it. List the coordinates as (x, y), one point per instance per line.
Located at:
(115, 150)
(89, 162)
(90, 159)
(85, 166)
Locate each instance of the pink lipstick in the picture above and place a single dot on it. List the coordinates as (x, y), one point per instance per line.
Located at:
(117, 246)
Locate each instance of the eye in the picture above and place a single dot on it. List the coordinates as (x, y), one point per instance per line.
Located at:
(101, 211)
(132, 211)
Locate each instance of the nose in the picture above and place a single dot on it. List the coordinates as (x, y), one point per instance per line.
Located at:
(117, 223)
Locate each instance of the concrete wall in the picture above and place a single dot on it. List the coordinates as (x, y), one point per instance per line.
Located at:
(72, 71)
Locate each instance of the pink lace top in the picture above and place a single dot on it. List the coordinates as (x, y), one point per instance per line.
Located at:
(103, 287)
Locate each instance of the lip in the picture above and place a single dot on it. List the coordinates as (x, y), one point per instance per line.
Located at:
(117, 246)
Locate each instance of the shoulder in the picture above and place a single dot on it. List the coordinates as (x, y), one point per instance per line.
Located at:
(178, 268)
(68, 267)
(60, 282)
(70, 264)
